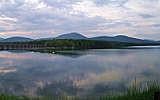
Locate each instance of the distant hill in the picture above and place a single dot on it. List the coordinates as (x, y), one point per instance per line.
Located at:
(16, 39)
(76, 36)
(71, 36)
(121, 38)
(1, 39)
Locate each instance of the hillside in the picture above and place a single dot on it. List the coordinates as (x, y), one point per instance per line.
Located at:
(1, 39)
(121, 38)
(71, 36)
(16, 39)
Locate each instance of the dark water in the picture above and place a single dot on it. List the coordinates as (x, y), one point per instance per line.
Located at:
(89, 72)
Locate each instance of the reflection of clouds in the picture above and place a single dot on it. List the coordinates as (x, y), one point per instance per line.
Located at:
(128, 61)
(25, 56)
(81, 83)
(100, 78)
(7, 63)
(1, 67)
(7, 70)
(15, 56)
(107, 76)
(109, 67)
(40, 84)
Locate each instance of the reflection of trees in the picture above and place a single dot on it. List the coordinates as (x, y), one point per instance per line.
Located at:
(69, 54)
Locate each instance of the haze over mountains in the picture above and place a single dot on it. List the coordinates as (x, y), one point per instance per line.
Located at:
(119, 38)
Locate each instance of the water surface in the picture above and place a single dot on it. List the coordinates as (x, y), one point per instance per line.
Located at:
(98, 72)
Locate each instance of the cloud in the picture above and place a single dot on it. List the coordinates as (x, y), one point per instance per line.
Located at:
(5, 18)
(147, 16)
(102, 17)
(156, 25)
(92, 10)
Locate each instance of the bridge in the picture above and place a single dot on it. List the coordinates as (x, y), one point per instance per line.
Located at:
(21, 46)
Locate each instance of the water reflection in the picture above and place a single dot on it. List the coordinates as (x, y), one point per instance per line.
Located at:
(97, 72)
(7, 70)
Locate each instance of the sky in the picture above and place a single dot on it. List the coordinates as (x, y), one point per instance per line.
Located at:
(50, 18)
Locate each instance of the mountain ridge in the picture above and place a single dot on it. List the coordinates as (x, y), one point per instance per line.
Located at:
(16, 39)
(1, 39)
(75, 35)
(121, 38)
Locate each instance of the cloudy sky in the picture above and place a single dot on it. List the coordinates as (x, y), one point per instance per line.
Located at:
(49, 18)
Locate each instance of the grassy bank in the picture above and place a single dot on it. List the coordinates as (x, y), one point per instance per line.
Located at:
(133, 94)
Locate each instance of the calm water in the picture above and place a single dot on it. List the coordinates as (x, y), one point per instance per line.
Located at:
(83, 73)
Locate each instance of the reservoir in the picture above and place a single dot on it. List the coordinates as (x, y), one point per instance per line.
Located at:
(77, 73)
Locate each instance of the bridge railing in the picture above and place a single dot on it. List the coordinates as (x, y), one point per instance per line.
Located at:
(21, 46)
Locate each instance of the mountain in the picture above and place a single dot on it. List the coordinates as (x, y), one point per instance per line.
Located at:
(74, 35)
(71, 36)
(131, 39)
(16, 39)
(1, 39)
(122, 38)
(158, 41)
